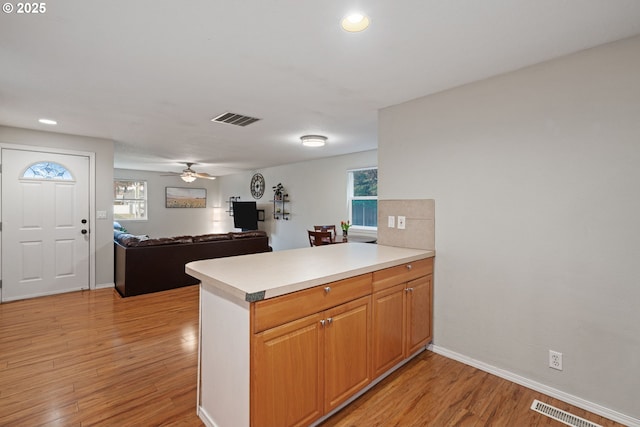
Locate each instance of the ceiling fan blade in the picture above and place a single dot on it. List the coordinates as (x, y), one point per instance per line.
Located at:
(204, 175)
(188, 172)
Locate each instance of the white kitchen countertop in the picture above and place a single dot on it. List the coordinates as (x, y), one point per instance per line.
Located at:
(269, 274)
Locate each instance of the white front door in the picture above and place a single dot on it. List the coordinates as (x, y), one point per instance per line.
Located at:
(45, 223)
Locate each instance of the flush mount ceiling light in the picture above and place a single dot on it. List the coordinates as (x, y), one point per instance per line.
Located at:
(355, 22)
(313, 140)
(47, 122)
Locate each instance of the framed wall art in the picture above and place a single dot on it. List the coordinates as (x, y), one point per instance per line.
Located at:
(180, 197)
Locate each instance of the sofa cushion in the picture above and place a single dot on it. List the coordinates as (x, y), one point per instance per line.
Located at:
(125, 239)
(132, 241)
(163, 241)
(248, 234)
(211, 237)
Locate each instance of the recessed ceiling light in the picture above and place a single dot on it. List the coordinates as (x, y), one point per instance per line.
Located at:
(355, 22)
(313, 140)
(47, 122)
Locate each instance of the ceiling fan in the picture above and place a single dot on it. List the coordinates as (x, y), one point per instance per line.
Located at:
(189, 175)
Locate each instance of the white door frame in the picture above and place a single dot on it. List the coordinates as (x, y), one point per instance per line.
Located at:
(92, 200)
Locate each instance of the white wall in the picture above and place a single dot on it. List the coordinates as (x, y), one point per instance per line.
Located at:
(103, 150)
(168, 222)
(536, 178)
(317, 190)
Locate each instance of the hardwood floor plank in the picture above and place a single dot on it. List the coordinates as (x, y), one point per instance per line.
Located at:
(92, 358)
(432, 390)
(43, 406)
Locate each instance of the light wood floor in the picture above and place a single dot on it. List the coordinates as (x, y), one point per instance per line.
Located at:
(432, 390)
(93, 358)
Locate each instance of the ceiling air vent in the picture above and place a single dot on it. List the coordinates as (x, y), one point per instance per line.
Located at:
(234, 119)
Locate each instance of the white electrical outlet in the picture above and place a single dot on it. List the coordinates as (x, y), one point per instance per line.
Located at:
(555, 360)
(391, 221)
(402, 221)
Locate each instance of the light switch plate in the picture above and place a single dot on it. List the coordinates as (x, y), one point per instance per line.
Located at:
(401, 222)
(392, 221)
(101, 214)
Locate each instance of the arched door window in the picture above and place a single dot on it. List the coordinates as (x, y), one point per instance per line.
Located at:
(47, 170)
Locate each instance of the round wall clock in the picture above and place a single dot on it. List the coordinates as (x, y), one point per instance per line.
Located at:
(257, 186)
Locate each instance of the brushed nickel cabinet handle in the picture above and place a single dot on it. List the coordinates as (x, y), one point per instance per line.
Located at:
(322, 322)
(327, 289)
(409, 267)
(330, 320)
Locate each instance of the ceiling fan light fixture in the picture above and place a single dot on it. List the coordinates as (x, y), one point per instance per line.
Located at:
(313, 140)
(188, 177)
(355, 22)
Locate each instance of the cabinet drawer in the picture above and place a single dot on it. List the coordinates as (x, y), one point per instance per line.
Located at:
(276, 311)
(383, 279)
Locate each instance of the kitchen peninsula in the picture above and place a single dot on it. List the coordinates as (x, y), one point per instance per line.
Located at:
(289, 337)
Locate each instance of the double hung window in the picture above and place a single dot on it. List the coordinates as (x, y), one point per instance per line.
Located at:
(362, 192)
(129, 200)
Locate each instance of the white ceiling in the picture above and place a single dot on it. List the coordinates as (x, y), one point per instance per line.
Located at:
(150, 74)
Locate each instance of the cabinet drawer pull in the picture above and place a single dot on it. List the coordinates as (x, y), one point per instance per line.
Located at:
(327, 289)
(409, 289)
(322, 322)
(409, 267)
(330, 320)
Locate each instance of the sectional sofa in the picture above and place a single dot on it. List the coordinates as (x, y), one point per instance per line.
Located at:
(144, 265)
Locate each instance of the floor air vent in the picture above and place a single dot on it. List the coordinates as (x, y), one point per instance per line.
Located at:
(234, 119)
(560, 415)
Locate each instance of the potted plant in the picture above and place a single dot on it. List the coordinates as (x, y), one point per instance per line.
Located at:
(345, 228)
(278, 192)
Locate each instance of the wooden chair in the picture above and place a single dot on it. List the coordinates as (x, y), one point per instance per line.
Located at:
(318, 238)
(331, 228)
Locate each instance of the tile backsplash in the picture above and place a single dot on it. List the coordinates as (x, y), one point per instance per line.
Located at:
(419, 231)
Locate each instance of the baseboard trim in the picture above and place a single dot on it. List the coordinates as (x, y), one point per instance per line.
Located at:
(205, 418)
(542, 388)
(105, 285)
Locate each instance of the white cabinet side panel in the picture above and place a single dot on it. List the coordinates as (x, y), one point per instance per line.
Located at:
(224, 359)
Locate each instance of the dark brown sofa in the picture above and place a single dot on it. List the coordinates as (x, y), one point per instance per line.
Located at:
(151, 265)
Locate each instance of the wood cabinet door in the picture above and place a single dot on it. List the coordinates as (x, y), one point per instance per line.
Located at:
(389, 326)
(419, 299)
(286, 374)
(347, 343)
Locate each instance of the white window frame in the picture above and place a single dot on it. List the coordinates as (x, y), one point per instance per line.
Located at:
(351, 197)
(134, 200)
